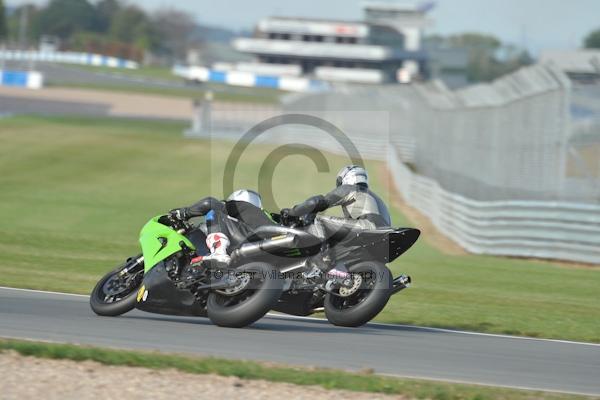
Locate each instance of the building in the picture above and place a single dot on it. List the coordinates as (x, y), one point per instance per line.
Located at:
(448, 64)
(581, 66)
(385, 47)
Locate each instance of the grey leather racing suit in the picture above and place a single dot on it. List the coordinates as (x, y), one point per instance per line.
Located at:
(362, 209)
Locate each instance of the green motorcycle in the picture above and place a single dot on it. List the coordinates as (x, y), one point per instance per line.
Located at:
(164, 280)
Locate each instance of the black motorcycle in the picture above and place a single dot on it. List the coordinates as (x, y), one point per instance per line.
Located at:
(341, 271)
(285, 268)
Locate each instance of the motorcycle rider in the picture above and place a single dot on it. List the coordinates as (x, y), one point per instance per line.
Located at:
(246, 206)
(232, 219)
(362, 208)
(242, 212)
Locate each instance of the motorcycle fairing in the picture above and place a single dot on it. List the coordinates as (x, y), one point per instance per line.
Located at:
(383, 245)
(162, 297)
(387, 245)
(160, 241)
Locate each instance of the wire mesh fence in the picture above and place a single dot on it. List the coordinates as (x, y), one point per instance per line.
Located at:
(506, 140)
(491, 145)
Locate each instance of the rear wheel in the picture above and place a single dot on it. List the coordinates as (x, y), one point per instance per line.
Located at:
(363, 299)
(257, 290)
(116, 292)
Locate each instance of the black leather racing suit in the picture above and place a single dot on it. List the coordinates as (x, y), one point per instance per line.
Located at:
(203, 207)
(362, 208)
(236, 219)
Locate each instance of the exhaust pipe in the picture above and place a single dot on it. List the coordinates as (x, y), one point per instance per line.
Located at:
(400, 283)
(265, 246)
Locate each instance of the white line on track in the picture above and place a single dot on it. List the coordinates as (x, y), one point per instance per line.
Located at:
(466, 382)
(445, 330)
(44, 291)
(372, 324)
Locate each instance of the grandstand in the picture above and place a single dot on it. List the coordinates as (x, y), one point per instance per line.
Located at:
(385, 47)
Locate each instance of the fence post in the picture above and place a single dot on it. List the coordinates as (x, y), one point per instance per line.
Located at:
(201, 120)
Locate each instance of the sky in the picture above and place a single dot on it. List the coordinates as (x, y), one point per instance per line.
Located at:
(535, 24)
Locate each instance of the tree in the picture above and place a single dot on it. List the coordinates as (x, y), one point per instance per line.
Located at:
(104, 26)
(23, 25)
(592, 41)
(3, 22)
(175, 30)
(481, 49)
(489, 58)
(105, 12)
(63, 18)
(476, 41)
(131, 25)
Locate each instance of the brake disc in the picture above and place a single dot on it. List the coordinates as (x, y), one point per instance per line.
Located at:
(114, 286)
(241, 282)
(346, 291)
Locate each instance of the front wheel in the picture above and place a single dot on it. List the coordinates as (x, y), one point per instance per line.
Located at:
(116, 292)
(360, 302)
(257, 290)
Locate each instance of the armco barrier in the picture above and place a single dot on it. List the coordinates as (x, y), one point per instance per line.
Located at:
(26, 79)
(249, 79)
(537, 229)
(67, 58)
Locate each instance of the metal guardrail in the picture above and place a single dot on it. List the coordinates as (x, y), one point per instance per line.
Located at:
(536, 229)
(26, 79)
(249, 79)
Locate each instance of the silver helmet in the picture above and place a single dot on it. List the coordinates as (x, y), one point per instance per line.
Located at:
(352, 175)
(249, 196)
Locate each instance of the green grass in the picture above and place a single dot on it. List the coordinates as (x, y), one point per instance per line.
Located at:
(327, 378)
(151, 72)
(74, 193)
(243, 95)
(221, 92)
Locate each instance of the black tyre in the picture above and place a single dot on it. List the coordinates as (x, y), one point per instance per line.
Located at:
(246, 306)
(115, 294)
(367, 298)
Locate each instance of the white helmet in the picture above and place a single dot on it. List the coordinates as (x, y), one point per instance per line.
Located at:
(249, 196)
(352, 175)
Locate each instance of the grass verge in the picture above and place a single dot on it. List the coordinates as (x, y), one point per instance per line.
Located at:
(239, 96)
(327, 378)
(150, 72)
(221, 92)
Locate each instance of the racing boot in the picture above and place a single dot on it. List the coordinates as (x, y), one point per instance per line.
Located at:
(217, 244)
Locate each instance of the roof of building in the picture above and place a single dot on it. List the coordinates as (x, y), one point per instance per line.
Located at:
(573, 61)
(358, 24)
(422, 7)
(318, 19)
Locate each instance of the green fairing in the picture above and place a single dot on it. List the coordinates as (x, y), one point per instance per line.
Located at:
(153, 249)
(268, 214)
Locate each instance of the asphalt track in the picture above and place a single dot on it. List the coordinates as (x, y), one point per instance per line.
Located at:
(396, 350)
(61, 74)
(10, 105)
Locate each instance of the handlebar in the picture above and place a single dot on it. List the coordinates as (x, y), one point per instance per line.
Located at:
(175, 223)
(296, 222)
(308, 219)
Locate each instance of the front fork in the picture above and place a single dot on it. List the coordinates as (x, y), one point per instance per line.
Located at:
(132, 263)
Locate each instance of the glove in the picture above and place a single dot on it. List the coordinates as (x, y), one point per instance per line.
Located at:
(308, 219)
(179, 214)
(285, 216)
